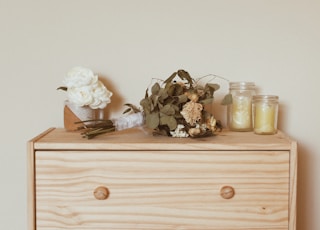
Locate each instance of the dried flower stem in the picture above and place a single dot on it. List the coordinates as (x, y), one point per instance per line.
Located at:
(97, 128)
(95, 132)
(214, 76)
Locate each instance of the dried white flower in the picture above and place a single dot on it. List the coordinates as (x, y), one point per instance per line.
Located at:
(191, 112)
(179, 132)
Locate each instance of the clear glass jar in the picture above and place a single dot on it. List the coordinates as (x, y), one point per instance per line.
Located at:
(265, 114)
(74, 113)
(239, 112)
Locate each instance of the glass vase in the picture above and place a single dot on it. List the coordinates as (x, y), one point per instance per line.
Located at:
(73, 114)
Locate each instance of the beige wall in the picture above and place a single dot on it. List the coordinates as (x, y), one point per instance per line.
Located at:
(274, 43)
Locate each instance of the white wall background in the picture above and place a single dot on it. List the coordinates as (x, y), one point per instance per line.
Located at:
(275, 43)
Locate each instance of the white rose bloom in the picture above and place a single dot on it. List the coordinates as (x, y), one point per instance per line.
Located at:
(80, 76)
(84, 89)
(80, 96)
(101, 96)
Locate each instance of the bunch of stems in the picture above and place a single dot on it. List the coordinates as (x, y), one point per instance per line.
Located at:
(93, 128)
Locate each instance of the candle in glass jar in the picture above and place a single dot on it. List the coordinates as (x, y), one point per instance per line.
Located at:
(241, 112)
(265, 110)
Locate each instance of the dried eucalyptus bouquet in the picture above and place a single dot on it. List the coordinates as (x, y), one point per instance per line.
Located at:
(176, 107)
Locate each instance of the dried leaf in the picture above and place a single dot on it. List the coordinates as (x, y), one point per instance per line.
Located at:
(170, 79)
(162, 94)
(127, 110)
(174, 89)
(184, 75)
(131, 108)
(146, 94)
(210, 89)
(167, 110)
(146, 105)
(176, 109)
(154, 100)
(206, 101)
(181, 98)
(152, 120)
(227, 100)
(155, 88)
(170, 121)
(178, 90)
(215, 87)
(62, 88)
(168, 85)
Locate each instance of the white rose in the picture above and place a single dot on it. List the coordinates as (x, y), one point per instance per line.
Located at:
(101, 96)
(80, 76)
(84, 89)
(80, 96)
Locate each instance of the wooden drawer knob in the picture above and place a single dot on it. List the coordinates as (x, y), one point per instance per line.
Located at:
(101, 193)
(227, 192)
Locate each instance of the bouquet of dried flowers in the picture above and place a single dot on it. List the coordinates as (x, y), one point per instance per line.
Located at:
(176, 107)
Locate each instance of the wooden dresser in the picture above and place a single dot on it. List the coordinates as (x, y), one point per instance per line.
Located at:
(132, 180)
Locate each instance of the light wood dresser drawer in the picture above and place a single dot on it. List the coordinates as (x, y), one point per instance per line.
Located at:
(133, 180)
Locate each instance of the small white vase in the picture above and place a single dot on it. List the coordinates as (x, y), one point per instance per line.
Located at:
(74, 113)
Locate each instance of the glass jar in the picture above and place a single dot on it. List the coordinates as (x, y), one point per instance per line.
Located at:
(74, 113)
(239, 112)
(265, 114)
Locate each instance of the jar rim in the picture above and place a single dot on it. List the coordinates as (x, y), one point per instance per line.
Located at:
(265, 97)
(241, 85)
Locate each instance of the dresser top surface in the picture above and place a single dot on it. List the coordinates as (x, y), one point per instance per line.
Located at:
(139, 138)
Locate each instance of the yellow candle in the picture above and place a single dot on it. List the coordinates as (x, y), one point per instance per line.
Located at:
(265, 116)
(241, 113)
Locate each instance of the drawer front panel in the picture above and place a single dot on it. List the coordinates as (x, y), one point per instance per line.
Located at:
(162, 190)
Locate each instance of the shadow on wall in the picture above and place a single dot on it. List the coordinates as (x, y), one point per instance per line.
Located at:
(117, 101)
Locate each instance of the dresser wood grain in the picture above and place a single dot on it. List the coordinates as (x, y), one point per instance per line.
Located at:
(133, 180)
